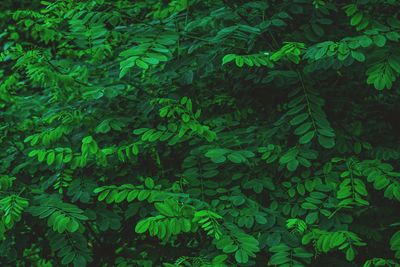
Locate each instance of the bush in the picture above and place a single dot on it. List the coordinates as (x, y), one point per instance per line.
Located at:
(199, 133)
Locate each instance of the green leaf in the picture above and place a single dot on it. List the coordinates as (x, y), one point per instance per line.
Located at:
(379, 40)
(50, 158)
(298, 119)
(326, 142)
(305, 139)
(87, 140)
(142, 226)
(239, 61)
(292, 165)
(358, 56)
(311, 217)
(141, 64)
(280, 258)
(228, 58)
(356, 19)
(164, 209)
(302, 129)
(241, 256)
(350, 254)
(236, 158)
(288, 156)
(185, 118)
(149, 183)
(230, 248)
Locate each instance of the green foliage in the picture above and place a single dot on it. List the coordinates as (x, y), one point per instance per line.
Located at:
(326, 241)
(257, 60)
(12, 208)
(61, 216)
(199, 133)
(395, 243)
(71, 248)
(283, 255)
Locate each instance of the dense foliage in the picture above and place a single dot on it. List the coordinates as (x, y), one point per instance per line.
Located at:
(200, 133)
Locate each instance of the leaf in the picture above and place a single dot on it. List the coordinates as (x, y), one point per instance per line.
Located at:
(350, 254)
(140, 131)
(358, 56)
(308, 206)
(67, 259)
(288, 156)
(356, 19)
(394, 63)
(87, 140)
(228, 58)
(79, 261)
(305, 139)
(216, 152)
(164, 209)
(311, 217)
(149, 183)
(239, 61)
(185, 118)
(326, 142)
(230, 248)
(279, 258)
(241, 256)
(72, 226)
(219, 159)
(141, 64)
(379, 40)
(292, 165)
(50, 158)
(298, 119)
(236, 158)
(303, 128)
(142, 226)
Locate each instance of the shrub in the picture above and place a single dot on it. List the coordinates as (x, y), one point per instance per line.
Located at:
(199, 133)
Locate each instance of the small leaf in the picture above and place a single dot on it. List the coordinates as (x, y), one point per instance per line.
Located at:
(305, 139)
(326, 142)
(142, 226)
(356, 19)
(228, 58)
(241, 256)
(358, 56)
(50, 157)
(299, 119)
(292, 165)
(302, 129)
(379, 40)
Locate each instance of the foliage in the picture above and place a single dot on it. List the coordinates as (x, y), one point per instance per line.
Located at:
(199, 133)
